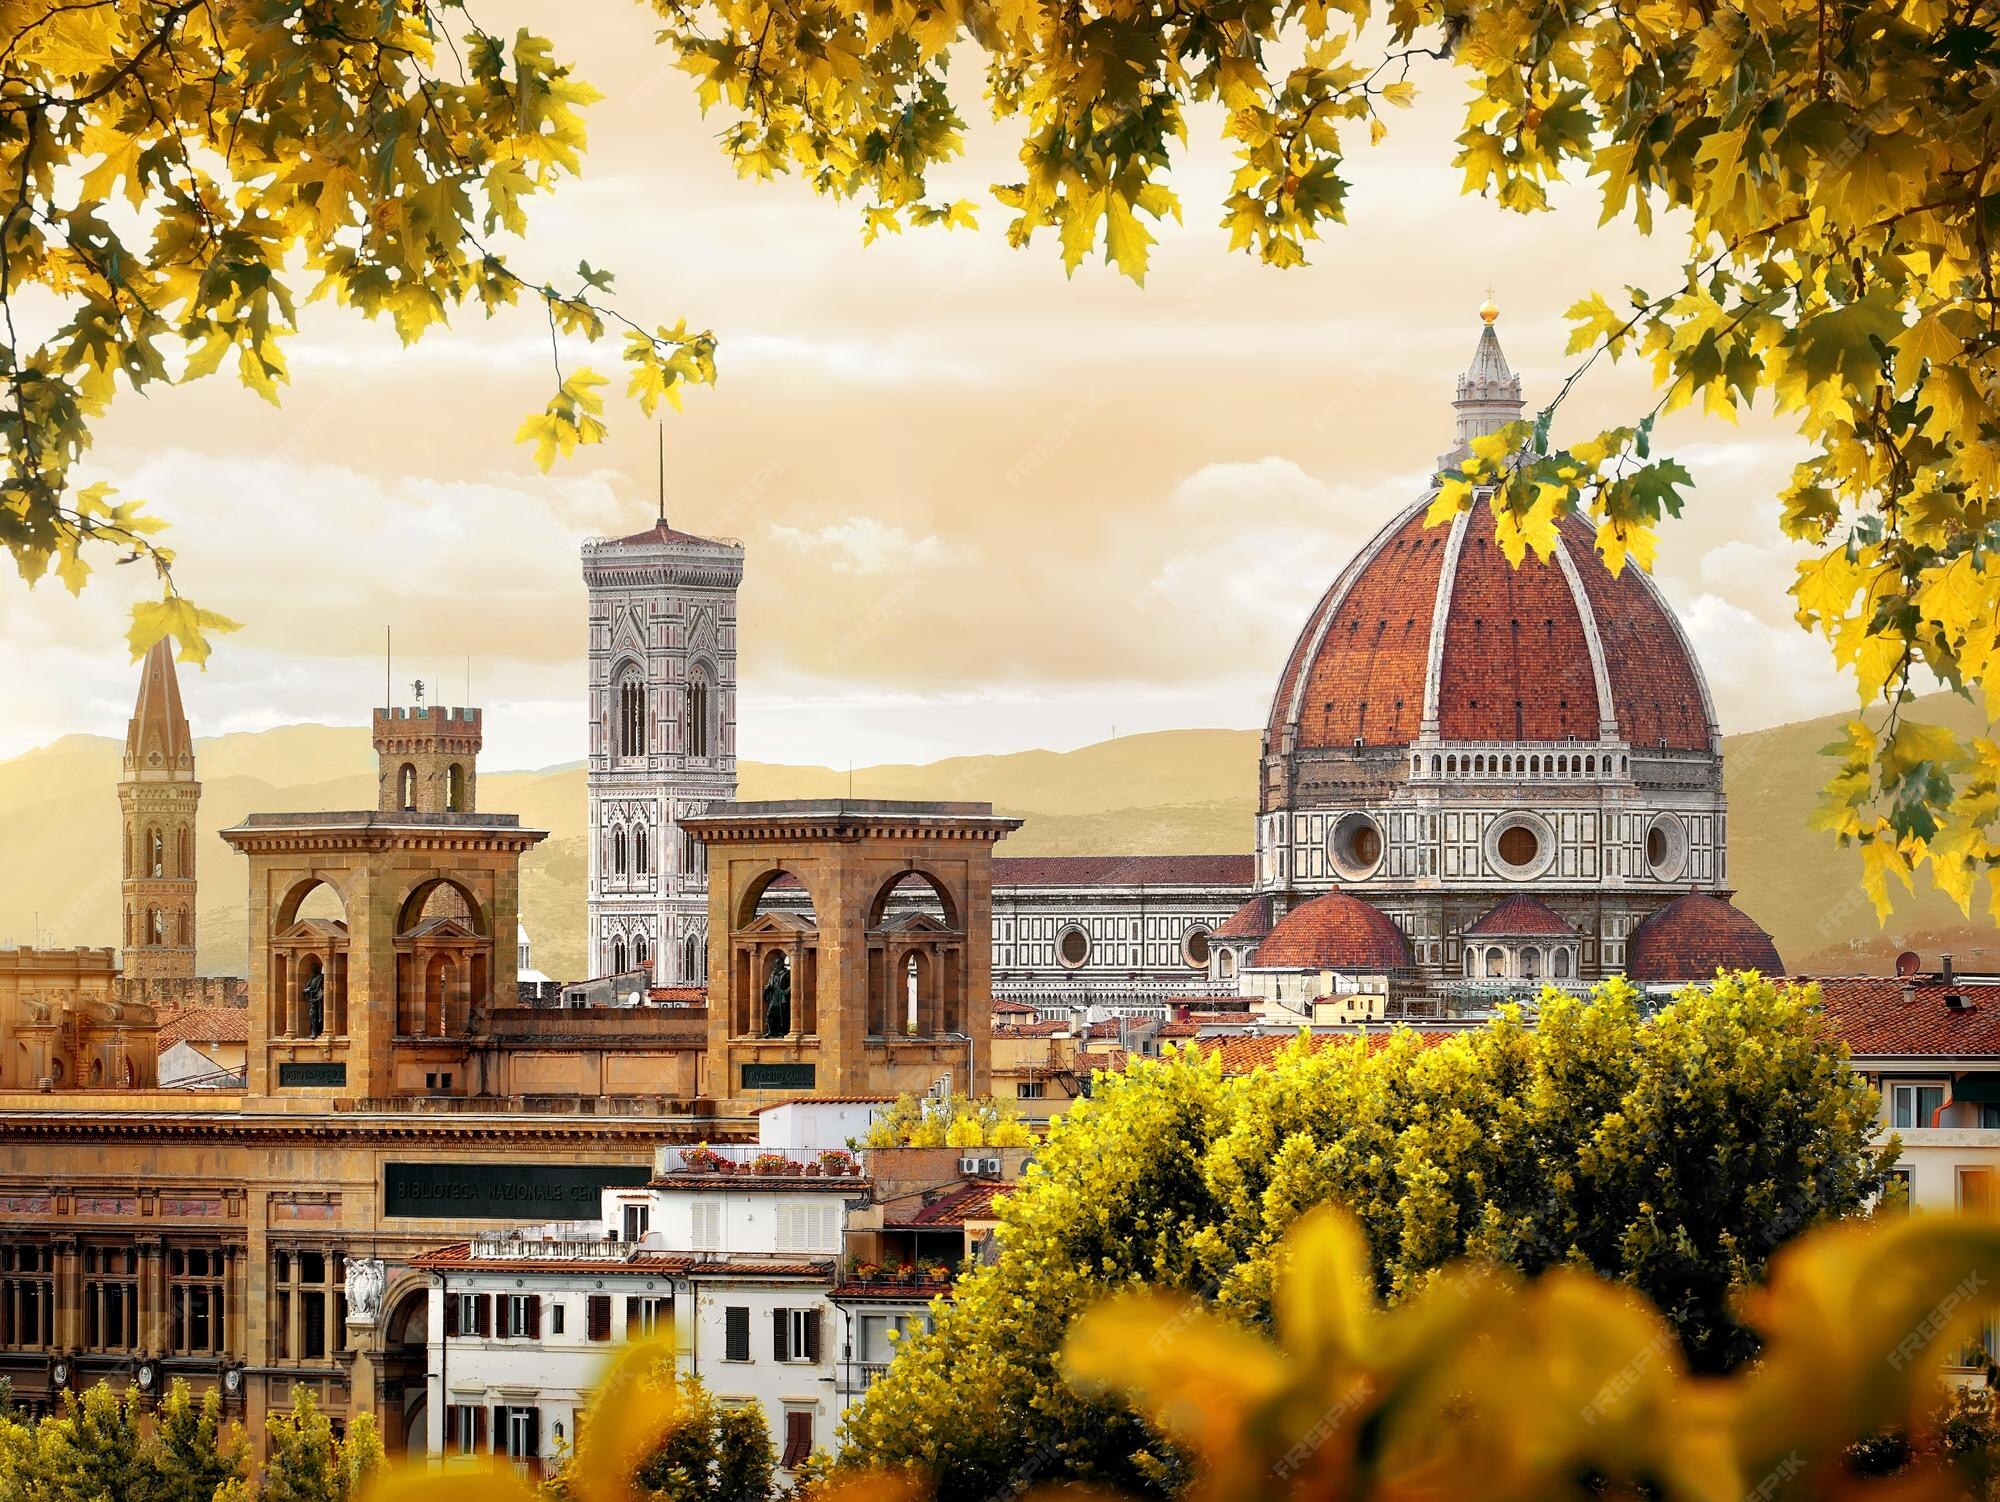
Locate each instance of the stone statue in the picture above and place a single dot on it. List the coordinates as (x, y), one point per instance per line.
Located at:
(778, 1000)
(366, 1278)
(314, 996)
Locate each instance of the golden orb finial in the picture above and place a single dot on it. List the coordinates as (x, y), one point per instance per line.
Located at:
(1489, 310)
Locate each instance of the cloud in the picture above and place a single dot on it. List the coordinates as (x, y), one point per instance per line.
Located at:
(1760, 674)
(865, 545)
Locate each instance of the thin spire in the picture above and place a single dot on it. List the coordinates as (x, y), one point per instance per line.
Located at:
(662, 427)
(159, 724)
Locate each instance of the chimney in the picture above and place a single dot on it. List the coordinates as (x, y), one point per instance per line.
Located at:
(1947, 969)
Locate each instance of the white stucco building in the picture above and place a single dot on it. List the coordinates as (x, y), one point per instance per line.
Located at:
(730, 1254)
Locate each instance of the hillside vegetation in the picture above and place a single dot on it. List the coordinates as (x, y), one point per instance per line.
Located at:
(1173, 791)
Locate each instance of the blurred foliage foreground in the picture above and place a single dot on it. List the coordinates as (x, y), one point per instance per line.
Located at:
(1484, 1387)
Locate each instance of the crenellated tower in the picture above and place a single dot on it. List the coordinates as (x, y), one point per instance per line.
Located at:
(158, 796)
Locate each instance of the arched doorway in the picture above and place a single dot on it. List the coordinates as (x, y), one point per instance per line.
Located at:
(405, 1416)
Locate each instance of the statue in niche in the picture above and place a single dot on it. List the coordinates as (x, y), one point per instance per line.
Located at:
(314, 996)
(778, 1000)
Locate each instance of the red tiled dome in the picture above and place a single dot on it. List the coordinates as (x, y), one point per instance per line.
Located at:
(1694, 936)
(1250, 921)
(1522, 917)
(1514, 648)
(1334, 932)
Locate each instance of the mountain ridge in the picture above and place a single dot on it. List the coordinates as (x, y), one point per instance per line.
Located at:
(1169, 791)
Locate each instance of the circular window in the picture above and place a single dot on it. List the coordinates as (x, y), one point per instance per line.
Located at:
(1194, 949)
(1072, 947)
(1354, 844)
(1666, 847)
(1520, 845)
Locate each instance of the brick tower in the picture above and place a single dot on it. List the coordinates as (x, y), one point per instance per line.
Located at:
(158, 795)
(427, 759)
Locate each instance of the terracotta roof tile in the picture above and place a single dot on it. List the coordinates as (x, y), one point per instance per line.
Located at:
(1695, 935)
(204, 1025)
(1515, 664)
(972, 1201)
(1334, 932)
(1123, 870)
(660, 532)
(1250, 921)
(1522, 916)
(1876, 1020)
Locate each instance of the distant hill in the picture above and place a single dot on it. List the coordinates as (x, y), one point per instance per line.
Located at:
(1189, 791)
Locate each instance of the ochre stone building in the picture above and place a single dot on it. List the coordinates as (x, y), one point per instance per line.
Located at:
(849, 997)
(158, 796)
(399, 1098)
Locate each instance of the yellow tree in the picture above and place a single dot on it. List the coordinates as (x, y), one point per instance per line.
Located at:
(176, 178)
(1830, 163)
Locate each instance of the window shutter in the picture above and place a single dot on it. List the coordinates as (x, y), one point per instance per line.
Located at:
(812, 1335)
(736, 1333)
(631, 1319)
(788, 1239)
(600, 1316)
(479, 1428)
(485, 1316)
(450, 1314)
(534, 1316)
(780, 1318)
(798, 1439)
(450, 1425)
(534, 1431)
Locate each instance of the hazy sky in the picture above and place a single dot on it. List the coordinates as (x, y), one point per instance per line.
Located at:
(986, 507)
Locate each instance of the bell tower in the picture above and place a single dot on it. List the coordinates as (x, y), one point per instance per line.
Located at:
(158, 796)
(662, 743)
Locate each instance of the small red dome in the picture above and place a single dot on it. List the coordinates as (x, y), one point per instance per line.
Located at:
(1250, 921)
(1334, 932)
(1694, 936)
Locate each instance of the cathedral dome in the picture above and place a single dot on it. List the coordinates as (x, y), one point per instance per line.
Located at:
(1694, 936)
(1429, 632)
(1334, 932)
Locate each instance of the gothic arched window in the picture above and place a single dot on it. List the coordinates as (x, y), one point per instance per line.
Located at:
(631, 716)
(618, 956)
(695, 962)
(641, 954)
(454, 789)
(406, 787)
(156, 926)
(697, 716)
(642, 859)
(618, 851)
(156, 854)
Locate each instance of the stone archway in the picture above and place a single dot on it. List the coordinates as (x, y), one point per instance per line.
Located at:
(405, 1407)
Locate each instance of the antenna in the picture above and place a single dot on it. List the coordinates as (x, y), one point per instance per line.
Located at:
(468, 680)
(661, 426)
(388, 655)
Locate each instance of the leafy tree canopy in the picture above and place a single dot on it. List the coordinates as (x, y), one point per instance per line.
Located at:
(180, 176)
(1673, 1154)
(954, 1121)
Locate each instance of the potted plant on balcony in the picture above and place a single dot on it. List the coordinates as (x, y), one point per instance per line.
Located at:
(834, 1162)
(773, 1163)
(867, 1272)
(704, 1159)
(935, 1272)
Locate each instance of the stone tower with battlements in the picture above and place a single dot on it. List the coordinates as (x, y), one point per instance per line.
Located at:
(427, 760)
(662, 743)
(158, 795)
